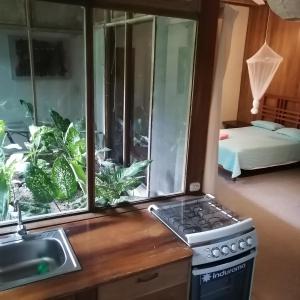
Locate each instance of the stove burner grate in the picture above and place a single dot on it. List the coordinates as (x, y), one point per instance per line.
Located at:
(196, 216)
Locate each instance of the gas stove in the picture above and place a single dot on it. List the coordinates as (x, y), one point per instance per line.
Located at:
(223, 245)
(199, 220)
(193, 216)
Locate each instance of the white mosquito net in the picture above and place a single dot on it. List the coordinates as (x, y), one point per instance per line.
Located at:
(262, 67)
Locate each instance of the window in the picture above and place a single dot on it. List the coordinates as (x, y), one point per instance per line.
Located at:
(143, 67)
(42, 109)
(143, 77)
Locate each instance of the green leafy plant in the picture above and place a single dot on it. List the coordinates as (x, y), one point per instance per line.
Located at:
(59, 122)
(56, 170)
(113, 182)
(57, 165)
(7, 169)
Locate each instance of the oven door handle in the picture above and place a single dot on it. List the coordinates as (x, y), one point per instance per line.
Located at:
(231, 264)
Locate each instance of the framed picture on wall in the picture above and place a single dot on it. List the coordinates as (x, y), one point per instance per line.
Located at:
(50, 58)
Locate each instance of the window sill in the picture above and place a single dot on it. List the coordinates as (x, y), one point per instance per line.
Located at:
(99, 213)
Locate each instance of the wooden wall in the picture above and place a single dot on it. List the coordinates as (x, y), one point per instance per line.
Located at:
(284, 38)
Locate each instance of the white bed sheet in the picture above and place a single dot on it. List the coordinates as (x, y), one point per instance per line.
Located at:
(252, 147)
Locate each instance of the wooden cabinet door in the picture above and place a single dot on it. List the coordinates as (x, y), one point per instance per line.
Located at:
(90, 294)
(179, 292)
(164, 283)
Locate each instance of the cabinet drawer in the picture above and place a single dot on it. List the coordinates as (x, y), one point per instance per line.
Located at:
(90, 294)
(146, 282)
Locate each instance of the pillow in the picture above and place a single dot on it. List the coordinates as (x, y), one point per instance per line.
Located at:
(267, 125)
(290, 132)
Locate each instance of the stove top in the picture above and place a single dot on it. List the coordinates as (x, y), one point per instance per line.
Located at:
(192, 218)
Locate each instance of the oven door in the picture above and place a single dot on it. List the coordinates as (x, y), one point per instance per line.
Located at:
(229, 279)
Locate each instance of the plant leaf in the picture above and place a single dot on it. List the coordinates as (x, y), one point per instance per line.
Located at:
(13, 160)
(131, 183)
(106, 192)
(4, 196)
(114, 181)
(31, 208)
(61, 123)
(63, 179)
(40, 184)
(72, 135)
(13, 146)
(2, 133)
(2, 128)
(79, 174)
(33, 129)
(75, 145)
(136, 168)
(28, 106)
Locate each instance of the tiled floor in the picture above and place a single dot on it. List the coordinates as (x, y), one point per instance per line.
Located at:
(273, 200)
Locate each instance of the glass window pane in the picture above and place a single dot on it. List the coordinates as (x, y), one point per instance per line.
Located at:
(157, 68)
(171, 103)
(59, 68)
(137, 15)
(117, 15)
(53, 15)
(141, 84)
(15, 116)
(100, 16)
(57, 148)
(115, 45)
(99, 73)
(12, 12)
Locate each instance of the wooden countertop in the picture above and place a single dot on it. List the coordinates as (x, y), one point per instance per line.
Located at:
(108, 248)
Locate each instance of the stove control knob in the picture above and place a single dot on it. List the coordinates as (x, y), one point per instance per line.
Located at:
(233, 247)
(225, 250)
(242, 244)
(249, 241)
(215, 252)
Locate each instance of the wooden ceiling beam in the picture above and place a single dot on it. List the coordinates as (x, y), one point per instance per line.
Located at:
(240, 2)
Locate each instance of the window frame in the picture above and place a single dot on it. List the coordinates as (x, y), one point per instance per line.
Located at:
(203, 66)
(205, 44)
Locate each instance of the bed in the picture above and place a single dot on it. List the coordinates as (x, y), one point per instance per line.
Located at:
(250, 148)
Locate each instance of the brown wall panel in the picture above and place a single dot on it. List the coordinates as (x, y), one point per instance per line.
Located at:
(240, 2)
(284, 37)
(202, 91)
(285, 40)
(254, 40)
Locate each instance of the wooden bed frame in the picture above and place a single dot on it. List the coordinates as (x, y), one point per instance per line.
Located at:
(279, 109)
(282, 110)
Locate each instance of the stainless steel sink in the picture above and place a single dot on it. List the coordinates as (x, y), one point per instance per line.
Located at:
(35, 257)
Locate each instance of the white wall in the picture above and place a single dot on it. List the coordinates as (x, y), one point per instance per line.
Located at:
(11, 90)
(228, 63)
(66, 95)
(232, 78)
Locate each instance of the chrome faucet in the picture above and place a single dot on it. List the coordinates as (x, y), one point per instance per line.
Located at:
(21, 228)
(21, 231)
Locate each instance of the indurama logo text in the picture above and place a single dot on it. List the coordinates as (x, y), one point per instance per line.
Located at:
(211, 276)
